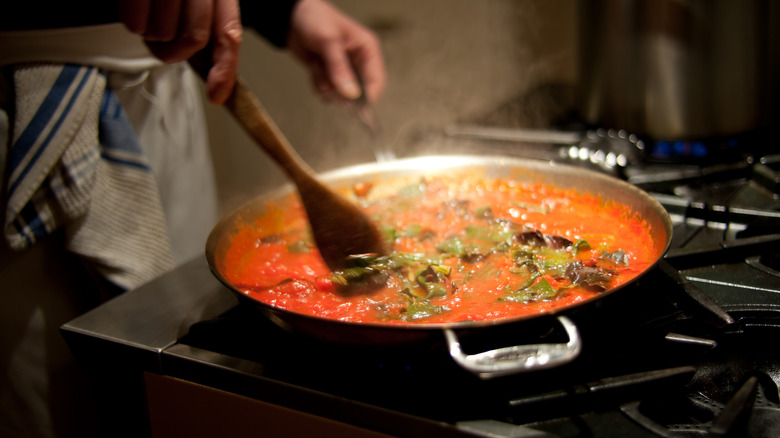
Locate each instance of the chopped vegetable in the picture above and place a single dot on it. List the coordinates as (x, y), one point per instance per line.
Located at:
(299, 247)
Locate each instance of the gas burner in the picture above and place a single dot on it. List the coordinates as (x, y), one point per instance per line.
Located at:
(735, 390)
(749, 413)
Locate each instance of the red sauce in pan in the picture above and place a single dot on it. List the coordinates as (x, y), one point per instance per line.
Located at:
(463, 250)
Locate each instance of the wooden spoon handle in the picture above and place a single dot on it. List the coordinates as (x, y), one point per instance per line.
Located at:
(253, 117)
(340, 228)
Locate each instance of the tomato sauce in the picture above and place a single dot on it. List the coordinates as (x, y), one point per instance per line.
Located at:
(463, 250)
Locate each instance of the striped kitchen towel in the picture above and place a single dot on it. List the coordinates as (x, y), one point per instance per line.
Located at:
(75, 163)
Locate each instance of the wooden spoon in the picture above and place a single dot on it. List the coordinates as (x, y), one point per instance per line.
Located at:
(340, 228)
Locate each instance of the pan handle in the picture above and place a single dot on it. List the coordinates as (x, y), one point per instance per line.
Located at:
(519, 358)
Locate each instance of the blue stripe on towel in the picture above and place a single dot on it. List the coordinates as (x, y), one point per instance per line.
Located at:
(124, 162)
(30, 225)
(118, 140)
(23, 145)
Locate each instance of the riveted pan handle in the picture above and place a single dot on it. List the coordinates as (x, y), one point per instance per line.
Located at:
(519, 358)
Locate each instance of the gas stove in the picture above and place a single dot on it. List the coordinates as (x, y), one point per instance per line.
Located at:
(688, 350)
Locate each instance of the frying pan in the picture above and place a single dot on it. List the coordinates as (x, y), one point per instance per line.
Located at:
(391, 175)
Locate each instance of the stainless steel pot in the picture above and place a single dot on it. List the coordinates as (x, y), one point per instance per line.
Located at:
(393, 175)
(678, 69)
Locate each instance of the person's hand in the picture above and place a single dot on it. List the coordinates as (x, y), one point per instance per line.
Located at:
(175, 30)
(334, 48)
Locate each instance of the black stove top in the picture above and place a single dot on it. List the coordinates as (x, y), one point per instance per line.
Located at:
(688, 350)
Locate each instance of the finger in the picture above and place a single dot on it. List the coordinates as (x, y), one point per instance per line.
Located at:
(197, 26)
(164, 21)
(226, 41)
(371, 69)
(314, 66)
(195, 33)
(340, 72)
(365, 53)
(135, 14)
(319, 77)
